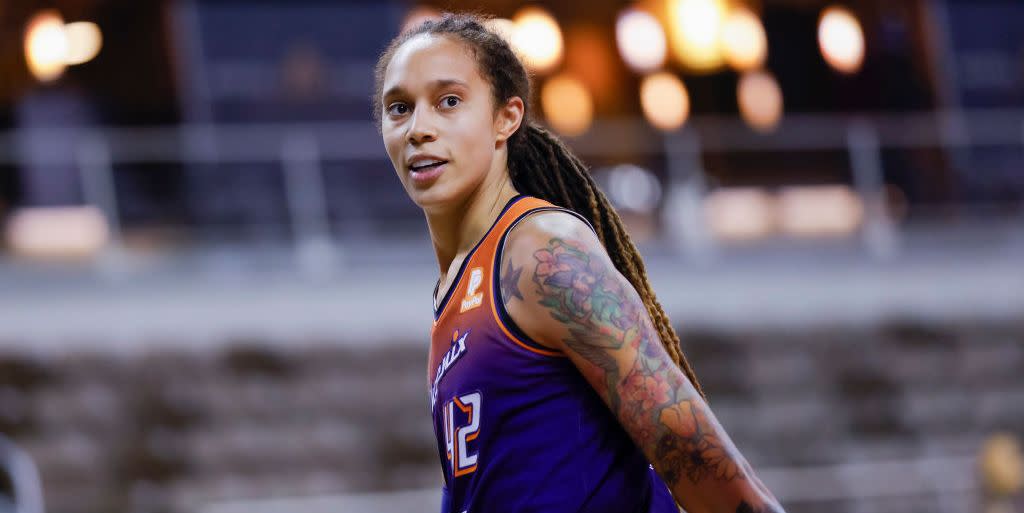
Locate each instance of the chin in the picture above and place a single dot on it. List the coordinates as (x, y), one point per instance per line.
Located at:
(439, 196)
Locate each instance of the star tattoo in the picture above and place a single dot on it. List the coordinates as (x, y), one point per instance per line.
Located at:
(510, 283)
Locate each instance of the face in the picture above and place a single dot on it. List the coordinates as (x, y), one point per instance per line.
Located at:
(438, 121)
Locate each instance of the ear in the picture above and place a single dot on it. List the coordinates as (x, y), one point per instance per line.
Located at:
(508, 118)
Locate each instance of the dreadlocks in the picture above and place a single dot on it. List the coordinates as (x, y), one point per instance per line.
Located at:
(541, 165)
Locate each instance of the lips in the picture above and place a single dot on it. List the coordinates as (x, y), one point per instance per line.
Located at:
(426, 171)
(426, 165)
(425, 168)
(423, 161)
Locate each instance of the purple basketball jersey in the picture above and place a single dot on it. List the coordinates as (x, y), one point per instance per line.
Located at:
(518, 427)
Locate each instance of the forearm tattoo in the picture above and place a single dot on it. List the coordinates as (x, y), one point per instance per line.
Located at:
(610, 329)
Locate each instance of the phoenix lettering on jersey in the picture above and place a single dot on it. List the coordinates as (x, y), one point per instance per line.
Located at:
(454, 353)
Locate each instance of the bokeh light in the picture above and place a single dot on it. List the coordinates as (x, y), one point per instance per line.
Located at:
(417, 15)
(760, 100)
(695, 28)
(841, 40)
(590, 57)
(46, 45)
(538, 39)
(567, 105)
(634, 188)
(740, 213)
(504, 27)
(664, 100)
(57, 232)
(84, 40)
(743, 40)
(1001, 465)
(641, 40)
(819, 211)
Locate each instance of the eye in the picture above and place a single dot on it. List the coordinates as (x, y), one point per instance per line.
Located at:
(450, 101)
(397, 109)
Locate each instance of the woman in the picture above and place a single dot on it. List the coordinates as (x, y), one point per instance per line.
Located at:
(555, 376)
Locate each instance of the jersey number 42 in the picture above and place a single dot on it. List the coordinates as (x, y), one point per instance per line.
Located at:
(456, 437)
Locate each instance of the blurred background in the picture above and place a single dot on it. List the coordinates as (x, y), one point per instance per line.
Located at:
(207, 264)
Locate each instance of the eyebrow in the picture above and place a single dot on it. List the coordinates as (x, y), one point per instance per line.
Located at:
(436, 84)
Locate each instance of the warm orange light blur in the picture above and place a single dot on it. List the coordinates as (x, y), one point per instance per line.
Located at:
(1001, 465)
(819, 211)
(665, 103)
(695, 28)
(538, 39)
(740, 213)
(567, 105)
(504, 27)
(590, 57)
(84, 41)
(743, 40)
(760, 100)
(46, 45)
(57, 232)
(418, 15)
(641, 40)
(841, 39)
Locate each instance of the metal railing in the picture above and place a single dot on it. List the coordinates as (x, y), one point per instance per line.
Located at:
(302, 149)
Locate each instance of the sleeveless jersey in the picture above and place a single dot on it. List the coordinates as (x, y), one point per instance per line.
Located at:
(518, 428)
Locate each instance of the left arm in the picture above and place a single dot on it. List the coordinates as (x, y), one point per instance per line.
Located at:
(562, 289)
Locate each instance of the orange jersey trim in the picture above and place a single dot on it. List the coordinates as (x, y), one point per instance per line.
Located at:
(496, 293)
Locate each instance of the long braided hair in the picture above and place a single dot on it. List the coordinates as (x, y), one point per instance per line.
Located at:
(539, 164)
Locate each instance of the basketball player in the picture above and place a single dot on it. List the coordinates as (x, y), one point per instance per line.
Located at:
(555, 377)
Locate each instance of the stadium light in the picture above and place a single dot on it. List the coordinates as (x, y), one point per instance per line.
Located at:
(538, 39)
(695, 31)
(46, 45)
(760, 100)
(841, 40)
(664, 100)
(567, 105)
(743, 40)
(84, 40)
(641, 40)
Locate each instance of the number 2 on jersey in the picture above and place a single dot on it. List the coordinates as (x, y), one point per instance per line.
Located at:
(456, 438)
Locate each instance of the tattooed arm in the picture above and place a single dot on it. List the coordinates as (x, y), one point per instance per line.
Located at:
(560, 286)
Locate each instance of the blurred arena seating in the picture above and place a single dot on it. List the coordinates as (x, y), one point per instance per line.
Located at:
(213, 287)
(172, 430)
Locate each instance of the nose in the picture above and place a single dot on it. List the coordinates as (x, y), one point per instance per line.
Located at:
(421, 127)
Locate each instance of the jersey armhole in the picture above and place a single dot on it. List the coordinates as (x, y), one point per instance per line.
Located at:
(509, 326)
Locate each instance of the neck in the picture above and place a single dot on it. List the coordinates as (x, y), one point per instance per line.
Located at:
(455, 229)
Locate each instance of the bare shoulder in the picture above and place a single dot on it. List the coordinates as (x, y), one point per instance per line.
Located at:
(541, 227)
(546, 252)
(547, 233)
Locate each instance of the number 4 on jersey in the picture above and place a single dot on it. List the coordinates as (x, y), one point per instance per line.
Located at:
(456, 438)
